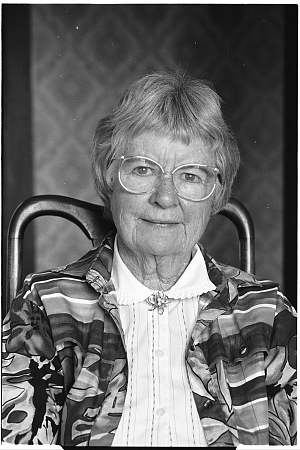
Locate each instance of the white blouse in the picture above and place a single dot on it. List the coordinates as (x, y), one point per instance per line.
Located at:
(159, 407)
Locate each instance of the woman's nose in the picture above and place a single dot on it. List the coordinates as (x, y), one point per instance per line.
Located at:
(165, 194)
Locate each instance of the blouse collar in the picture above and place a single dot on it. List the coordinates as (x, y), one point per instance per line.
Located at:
(194, 280)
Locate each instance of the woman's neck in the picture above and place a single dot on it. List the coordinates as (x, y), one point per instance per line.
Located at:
(155, 272)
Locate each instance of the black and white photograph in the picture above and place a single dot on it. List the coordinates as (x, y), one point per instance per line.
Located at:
(149, 224)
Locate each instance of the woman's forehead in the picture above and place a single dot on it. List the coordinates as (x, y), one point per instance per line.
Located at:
(164, 147)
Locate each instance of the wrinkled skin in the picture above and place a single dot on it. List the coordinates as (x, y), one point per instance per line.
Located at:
(158, 230)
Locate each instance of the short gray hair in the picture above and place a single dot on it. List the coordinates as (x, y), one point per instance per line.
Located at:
(173, 104)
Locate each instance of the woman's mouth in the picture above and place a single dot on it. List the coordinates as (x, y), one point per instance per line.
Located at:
(161, 223)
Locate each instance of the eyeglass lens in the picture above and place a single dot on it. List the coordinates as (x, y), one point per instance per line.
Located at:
(139, 175)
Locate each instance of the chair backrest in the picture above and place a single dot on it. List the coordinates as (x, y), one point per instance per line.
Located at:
(90, 218)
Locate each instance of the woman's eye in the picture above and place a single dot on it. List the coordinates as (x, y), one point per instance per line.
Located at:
(191, 178)
(142, 170)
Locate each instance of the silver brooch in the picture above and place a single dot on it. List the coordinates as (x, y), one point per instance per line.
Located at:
(158, 300)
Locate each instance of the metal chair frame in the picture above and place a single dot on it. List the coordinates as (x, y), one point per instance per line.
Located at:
(91, 219)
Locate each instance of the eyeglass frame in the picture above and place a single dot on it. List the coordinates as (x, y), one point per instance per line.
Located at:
(168, 174)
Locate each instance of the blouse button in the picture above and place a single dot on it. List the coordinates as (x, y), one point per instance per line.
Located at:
(160, 412)
(243, 350)
(159, 353)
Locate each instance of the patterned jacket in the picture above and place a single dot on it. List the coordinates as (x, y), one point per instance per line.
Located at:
(65, 370)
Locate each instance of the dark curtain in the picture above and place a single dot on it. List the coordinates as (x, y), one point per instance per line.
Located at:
(16, 123)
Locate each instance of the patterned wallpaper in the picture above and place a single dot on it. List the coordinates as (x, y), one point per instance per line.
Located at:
(84, 56)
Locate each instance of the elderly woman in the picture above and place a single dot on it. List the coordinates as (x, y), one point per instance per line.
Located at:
(147, 340)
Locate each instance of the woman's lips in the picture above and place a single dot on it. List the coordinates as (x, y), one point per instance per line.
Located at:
(162, 223)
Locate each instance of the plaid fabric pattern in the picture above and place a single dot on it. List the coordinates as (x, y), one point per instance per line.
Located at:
(65, 369)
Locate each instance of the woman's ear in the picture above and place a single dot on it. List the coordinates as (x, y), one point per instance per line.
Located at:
(111, 175)
(218, 197)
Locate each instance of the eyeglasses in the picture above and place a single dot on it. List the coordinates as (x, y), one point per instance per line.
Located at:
(138, 175)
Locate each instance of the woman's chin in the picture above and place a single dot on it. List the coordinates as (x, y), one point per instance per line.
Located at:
(161, 239)
(162, 246)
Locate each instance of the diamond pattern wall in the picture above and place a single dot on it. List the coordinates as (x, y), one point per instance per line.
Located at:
(84, 56)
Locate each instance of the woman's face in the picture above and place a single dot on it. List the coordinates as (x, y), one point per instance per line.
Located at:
(161, 223)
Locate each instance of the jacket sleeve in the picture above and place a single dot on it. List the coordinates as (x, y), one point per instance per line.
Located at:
(280, 367)
(32, 381)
